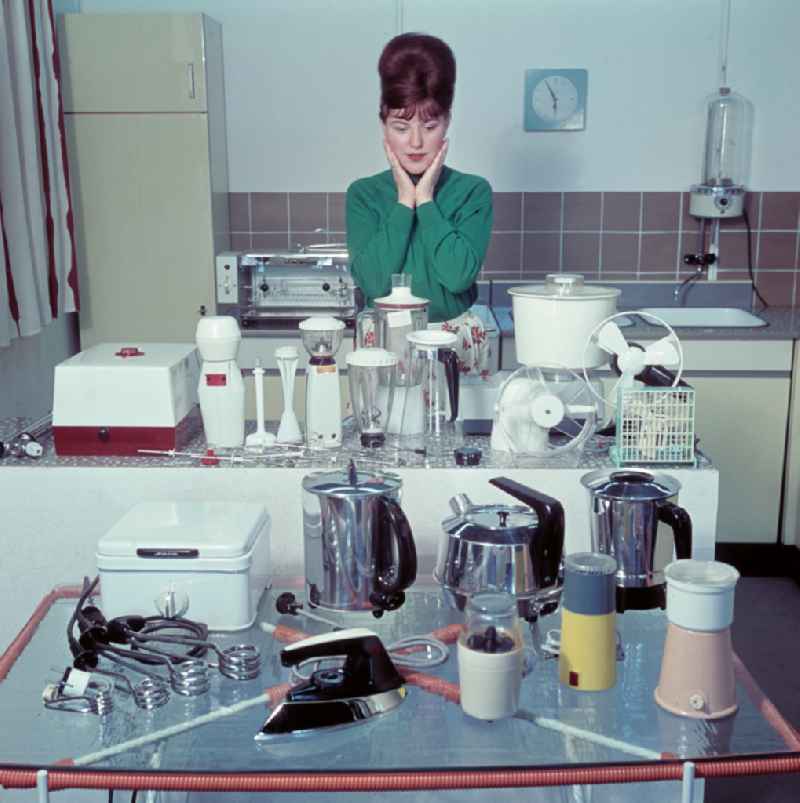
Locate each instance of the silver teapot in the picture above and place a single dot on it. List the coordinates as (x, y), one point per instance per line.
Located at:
(507, 548)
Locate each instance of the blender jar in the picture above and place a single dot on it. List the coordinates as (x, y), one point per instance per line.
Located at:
(428, 392)
(391, 318)
(371, 376)
(321, 336)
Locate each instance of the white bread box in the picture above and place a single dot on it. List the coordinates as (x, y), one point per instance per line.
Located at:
(117, 398)
(206, 561)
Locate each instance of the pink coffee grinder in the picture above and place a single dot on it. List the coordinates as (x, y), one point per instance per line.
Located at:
(697, 678)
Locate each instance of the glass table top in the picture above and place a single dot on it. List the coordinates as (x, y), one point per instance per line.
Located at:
(426, 732)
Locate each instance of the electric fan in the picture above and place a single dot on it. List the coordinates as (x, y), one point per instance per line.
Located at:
(634, 364)
(543, 413)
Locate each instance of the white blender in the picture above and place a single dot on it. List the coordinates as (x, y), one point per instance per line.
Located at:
(221, 389)
(322, 337)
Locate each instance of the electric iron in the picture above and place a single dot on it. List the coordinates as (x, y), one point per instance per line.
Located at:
(366, 685)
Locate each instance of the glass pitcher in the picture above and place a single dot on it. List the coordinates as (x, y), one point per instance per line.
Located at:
(427, 394)
(371, 375)
(391, 318)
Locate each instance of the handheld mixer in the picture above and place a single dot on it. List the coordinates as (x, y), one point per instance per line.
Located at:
(258, 440)
(289, 428)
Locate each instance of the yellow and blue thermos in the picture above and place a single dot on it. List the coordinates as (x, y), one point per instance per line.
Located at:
(588, 654)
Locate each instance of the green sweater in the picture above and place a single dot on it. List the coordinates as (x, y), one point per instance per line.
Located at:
(441, 244)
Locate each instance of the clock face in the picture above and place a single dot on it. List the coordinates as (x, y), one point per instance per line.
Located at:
(555, 99)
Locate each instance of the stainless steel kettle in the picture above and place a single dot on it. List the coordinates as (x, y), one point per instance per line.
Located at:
(627, 506)
(358, 546)
(503, 548)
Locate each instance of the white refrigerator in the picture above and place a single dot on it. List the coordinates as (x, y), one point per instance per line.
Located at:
(145, 118)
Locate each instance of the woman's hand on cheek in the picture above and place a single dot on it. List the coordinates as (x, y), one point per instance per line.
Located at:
(427, 184)
(405, 187)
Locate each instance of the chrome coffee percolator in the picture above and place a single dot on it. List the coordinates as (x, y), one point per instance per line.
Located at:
(358, 547)
(627, 507)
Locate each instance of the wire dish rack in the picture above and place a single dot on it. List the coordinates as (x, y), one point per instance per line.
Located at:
(654, 425)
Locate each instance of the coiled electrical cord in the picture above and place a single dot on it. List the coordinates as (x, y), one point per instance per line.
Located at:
(145, 640)
(413, 652)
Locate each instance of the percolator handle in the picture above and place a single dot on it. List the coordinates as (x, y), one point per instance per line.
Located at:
(390, 578)
(547, 547)
(449, 359)
(681, 523)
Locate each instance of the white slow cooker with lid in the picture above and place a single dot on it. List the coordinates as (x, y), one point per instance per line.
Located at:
(553, 321)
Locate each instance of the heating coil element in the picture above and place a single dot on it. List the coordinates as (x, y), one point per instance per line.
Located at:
(97, 698)
(241, 662)
(149, 694)
(143, 645)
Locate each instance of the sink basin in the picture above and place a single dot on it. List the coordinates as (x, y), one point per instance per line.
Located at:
(730, 317)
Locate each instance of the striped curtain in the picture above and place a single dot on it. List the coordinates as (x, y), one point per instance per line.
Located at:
(38, 273)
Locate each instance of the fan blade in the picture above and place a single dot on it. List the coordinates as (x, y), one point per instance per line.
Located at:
(613, 395)
(578, 409)
(519, 410)
(662, 352)
(611, 339)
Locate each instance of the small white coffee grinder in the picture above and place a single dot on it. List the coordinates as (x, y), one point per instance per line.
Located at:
(322, 337)
(221, 389)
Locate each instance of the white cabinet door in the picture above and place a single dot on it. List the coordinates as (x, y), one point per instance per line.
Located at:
(132, 62)
(141, 191)
(741, 422)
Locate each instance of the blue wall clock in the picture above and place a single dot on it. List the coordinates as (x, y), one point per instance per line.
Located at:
(555, 99)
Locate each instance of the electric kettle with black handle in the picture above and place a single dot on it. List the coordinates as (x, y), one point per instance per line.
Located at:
(508, 548)
(627, 506)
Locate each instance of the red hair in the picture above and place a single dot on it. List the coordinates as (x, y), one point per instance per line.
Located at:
(418, 73)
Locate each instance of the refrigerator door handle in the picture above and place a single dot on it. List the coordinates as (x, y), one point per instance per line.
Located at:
(190, 79)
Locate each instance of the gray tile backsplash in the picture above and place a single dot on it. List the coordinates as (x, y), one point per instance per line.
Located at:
(605, 235)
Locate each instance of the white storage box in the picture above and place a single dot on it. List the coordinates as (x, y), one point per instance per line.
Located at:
(210, 560)
(117, 398)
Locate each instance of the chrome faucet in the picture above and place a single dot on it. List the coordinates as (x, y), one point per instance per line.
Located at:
(676, 293)
(701, 262)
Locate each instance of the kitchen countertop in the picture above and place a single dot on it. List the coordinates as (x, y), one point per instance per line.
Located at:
(783, 323)
(593, 455)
